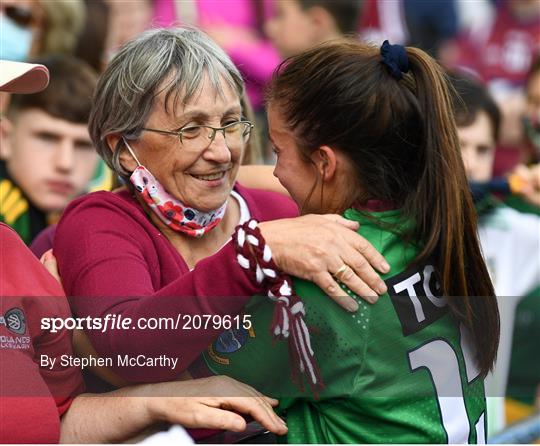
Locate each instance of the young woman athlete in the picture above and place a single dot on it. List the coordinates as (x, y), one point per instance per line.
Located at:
(368, 132)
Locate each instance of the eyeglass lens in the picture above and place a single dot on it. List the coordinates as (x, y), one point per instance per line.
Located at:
(200, 137)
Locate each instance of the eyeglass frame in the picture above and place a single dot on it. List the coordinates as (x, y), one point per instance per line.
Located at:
(179, 132)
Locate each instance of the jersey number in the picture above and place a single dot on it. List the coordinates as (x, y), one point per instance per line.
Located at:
(440, 359)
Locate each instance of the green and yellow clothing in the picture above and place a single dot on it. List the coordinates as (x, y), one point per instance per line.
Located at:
(17, 211)
(399, 371)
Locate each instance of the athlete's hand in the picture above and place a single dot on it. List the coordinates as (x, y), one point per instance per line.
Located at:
(316, 247)
(211, 403)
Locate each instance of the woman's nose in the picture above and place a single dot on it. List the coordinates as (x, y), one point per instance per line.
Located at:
(218, 151)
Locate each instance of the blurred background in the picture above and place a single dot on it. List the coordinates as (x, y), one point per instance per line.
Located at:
(496, 43)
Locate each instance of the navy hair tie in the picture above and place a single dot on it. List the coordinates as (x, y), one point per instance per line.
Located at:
(395, 59)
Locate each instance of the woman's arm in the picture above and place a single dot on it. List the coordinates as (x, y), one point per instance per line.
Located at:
(205, 403)
(108, 269)
(84, 349)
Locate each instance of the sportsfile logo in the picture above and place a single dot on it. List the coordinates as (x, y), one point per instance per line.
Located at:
(14, 320)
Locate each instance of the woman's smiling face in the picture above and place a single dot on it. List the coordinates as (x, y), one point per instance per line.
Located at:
(203, 177)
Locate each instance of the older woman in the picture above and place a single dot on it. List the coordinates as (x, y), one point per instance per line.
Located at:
(44, 404)
(168, 119)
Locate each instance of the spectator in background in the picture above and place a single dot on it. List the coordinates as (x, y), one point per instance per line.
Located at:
(416, 22)
(47, 155)
(31, 27)
(530, 155)
(63, 23)
(501, 53)
(430, 24)
(297, 25)
(301, 24)
(524, 374)
(127, 19)
(381, 20)
(531, 120)
(21, 24)
(93, 38)
(237, 26)
(528, 200)
(510, 240)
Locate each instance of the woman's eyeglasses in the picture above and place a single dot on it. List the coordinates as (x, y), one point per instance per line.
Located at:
(197, 138)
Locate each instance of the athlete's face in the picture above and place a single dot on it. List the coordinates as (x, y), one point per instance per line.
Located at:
(297, 174)
(478, 148)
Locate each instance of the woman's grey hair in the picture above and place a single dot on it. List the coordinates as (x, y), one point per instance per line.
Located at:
(173, 61)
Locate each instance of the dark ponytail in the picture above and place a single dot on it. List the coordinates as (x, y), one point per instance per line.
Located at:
(401, 137)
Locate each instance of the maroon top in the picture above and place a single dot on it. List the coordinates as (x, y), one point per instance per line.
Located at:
(112, 259)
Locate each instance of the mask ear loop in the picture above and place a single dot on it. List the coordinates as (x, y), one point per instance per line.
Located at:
(131, 151)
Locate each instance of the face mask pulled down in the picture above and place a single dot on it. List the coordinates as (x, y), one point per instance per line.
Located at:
(172, 212)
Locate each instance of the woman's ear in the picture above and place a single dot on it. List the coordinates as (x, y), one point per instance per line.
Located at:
(115, 142)
(325, 161)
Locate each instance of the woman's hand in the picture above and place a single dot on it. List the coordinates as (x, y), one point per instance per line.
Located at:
(211, 403)
(320, 248)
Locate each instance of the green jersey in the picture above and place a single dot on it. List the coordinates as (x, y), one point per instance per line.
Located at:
(398, 371)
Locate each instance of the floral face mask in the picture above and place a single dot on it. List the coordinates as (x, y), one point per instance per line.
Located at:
(171, 211)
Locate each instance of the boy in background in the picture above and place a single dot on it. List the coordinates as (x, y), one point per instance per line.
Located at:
(300, 24)
(531, 148)
(47, 157)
